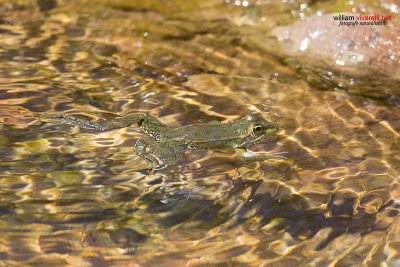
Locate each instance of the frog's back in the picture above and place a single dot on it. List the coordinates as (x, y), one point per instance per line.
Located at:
(203, 133)
(208, 136)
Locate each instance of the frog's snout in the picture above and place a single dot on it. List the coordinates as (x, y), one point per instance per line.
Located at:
(272, 129)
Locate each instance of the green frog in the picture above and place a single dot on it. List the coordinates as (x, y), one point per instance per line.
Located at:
(166, 145)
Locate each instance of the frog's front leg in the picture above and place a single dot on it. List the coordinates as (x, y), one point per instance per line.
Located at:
(245, 155)
(158, 154)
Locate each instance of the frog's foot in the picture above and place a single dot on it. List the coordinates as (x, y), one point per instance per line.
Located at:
(154, 165)
(245, 155)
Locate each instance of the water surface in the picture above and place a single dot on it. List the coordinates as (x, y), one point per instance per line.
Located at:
(77, 197)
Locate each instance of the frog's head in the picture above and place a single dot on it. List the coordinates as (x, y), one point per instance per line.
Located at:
(258, 129)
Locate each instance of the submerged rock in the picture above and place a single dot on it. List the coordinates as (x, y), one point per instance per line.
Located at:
(346, 53)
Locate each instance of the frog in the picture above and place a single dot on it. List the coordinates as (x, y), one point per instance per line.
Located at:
(165, 145)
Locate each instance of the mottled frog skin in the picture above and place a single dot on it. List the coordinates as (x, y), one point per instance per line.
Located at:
(166, 145)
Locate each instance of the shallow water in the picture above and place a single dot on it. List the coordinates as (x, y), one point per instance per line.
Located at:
(77, 197)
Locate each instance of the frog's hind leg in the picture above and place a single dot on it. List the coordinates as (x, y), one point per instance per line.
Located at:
(118, 123)
(142, 148)
(157, 154)
(75, 121)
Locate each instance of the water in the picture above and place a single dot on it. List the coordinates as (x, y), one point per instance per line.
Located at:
(77, 197)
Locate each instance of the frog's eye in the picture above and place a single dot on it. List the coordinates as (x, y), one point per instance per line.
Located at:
(258, 129)
(188, 146)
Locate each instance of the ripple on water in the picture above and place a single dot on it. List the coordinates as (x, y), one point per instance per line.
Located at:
(76, 197)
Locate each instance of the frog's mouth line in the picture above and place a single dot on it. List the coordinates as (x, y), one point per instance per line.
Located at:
(267, 138)
(258, 140)
(264, 141)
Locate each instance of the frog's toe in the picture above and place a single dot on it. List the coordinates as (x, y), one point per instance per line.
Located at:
(151, 170)
(253, 156)
(160, 167)
(278, 155)
(154, 165)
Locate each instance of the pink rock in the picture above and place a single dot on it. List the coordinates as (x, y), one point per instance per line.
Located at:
(362, 58)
